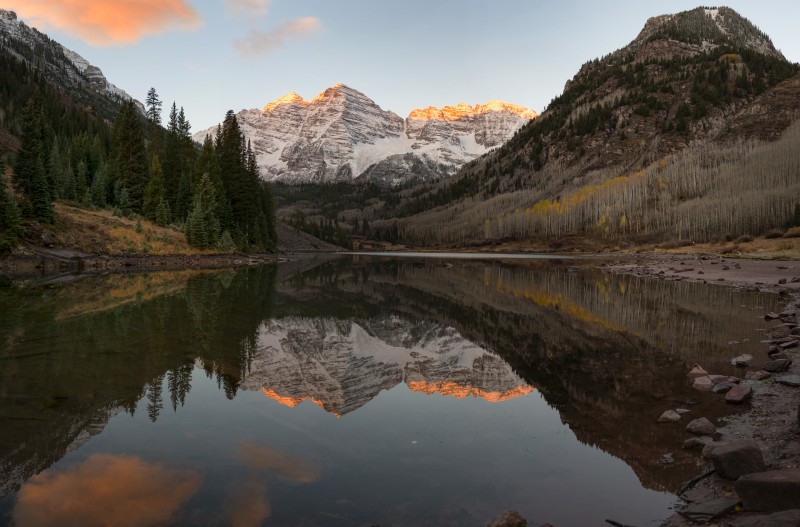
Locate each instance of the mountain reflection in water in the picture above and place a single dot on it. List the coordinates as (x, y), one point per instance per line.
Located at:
(342, 365)
(131, 367)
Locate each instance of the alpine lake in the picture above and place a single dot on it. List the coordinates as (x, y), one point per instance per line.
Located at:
(358, 390)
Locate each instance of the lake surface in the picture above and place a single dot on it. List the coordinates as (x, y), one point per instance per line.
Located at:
(357, 390)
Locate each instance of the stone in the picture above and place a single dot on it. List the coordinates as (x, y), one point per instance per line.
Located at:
(778, 355)
(696, 372)
(777, 365)
(738, 394)
(795, 331)
(696, 442)
(770, 491)
(759, 375)
(790, 518)
(703, 384)
(710, 447)
(682, 410)
(771, 316)
(789, 345)
(509, 518)
(737, 458)
(716, 379)
(782, 280)
(701, 426)
(742, 360)
(698, 494)
(790, 380)
(667, 459)
(706, 511)
(723, 387)
(670, 416)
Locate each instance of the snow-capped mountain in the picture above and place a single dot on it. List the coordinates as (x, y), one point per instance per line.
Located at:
(342, 365)
(63, 67)
(342, 135)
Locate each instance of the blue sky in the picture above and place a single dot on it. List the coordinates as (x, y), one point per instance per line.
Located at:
(402, 54)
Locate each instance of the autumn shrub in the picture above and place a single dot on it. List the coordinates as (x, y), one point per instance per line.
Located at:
(794, 232)
(744, 238)
(774, 233)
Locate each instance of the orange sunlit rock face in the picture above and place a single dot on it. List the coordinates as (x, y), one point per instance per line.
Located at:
(452, 389)
(462, 111)
(289, 98)
(123, 491)
(291, 402)
(104, 23)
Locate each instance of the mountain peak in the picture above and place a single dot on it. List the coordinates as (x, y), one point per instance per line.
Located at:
(706, 28)
(289, 98)
(462, 111)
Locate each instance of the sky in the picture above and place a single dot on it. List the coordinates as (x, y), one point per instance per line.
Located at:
(210, 56)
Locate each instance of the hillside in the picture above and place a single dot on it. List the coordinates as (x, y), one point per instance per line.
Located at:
(653, 141)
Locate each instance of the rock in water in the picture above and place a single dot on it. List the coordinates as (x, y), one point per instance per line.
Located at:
(742, 360)
(670, 416)
(701, 426)
(696, 442)
(704, 384)
(737, 458)
(509, 518)
(696, 372)
(771, 491)
(723, 387)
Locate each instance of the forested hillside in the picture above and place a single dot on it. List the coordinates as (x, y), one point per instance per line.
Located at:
(684, 134)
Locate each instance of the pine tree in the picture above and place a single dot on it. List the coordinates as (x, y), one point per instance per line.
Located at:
(30, 176)
(162, 213)
(9, 216)
(128, 155)
(202, 226)
(153, 106)
(154, 193)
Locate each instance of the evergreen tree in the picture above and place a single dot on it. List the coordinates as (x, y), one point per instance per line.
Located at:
(99, 188)
(202, 226)
(30, 176)
(153, 107)
(162, 213)
(128, 155)
(154, 194)
(9, 216)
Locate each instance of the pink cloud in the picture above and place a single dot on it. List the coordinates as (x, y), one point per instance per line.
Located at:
(106, 489)
(103, 23)
(258, 43)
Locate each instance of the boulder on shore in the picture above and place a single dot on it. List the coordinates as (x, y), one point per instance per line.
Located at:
(771, 491)
(737, 458)
(701, 426)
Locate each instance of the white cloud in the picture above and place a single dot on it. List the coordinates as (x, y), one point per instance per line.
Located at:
(258, 43)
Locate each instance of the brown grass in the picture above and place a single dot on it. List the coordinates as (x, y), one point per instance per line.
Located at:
(100, 232)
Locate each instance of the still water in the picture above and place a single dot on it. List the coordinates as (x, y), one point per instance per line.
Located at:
(356, 391)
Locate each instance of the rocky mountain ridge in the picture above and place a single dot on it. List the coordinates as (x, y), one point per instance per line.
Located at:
(342, 135)
(65, 68)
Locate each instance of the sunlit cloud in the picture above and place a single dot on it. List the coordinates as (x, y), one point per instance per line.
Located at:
(123, 491)
(247, 7)
(247, 503)
(103, 23)
(259, 458)
(258, 43)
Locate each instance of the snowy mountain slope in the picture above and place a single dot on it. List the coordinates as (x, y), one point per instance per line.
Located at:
(61, 66)
(342, 365)
(342, 135)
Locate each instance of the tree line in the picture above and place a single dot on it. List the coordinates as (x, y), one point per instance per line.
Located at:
(139, 167)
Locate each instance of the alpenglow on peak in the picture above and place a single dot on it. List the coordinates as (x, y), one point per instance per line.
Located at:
(343, 135)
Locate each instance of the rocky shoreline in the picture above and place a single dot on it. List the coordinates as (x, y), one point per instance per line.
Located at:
(750, 463)
(43, 264)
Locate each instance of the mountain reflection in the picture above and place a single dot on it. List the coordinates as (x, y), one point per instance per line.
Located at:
(342, 365)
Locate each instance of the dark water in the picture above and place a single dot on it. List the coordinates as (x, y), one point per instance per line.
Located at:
(356, 391)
